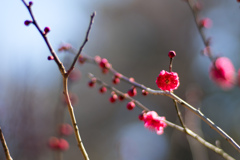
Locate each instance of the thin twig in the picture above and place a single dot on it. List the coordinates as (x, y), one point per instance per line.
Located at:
(5, 147)
(182, 129)
(84, 42)
(179, 115)
(175, 103)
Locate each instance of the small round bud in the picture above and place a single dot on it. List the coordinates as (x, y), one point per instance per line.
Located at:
(104, 70)
(92, 82)
(140, 117)
(131, 105)
(116, 80)
(27, 22)
(132, 92)
(103, 63)
(144, 92)
(117, 75)
(103, 89)
(97, 59)
(171, 54)
(46, 30)
(50, 58)
(113, 98)
(122, 97)
(81, 59)
(30, 3)
(131, 79)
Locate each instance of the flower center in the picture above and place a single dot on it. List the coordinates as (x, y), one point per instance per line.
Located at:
(167, 81)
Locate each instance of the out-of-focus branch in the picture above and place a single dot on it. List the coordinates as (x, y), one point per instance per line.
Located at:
(5, 147)
(194, 6)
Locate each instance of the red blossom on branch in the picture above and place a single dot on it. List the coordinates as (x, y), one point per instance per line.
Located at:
(153, 122)
(222, 72)
(167, 81)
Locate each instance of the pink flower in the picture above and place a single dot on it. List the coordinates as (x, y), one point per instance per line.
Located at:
(154, 122)
(167, 81)
(222, 72)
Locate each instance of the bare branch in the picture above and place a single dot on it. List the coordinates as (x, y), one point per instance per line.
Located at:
(84, 42)
(5, 147)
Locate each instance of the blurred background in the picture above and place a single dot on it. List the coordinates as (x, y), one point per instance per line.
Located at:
(135, 36)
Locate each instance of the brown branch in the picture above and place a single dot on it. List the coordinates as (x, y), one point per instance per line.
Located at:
(179, 115)
(5, 147)
(73, 119)
(84, 42)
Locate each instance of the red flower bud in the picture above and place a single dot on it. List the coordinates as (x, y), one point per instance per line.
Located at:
(46, 30)
(50, 58)
(132, 92)
(27, 22)
(130, 105)
(171, 54)
(30, 3)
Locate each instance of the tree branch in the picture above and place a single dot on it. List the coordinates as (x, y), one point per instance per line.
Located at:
(5, 147)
